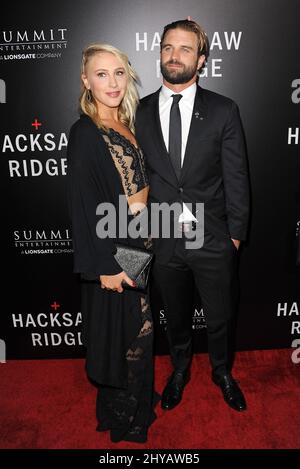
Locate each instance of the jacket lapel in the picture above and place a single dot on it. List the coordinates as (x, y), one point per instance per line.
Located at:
(199, 114)
(162, 157)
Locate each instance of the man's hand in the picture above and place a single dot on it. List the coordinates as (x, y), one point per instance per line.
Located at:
(236, 242)
(114, 282)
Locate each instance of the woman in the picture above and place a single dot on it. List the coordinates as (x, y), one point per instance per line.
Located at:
(104, 162)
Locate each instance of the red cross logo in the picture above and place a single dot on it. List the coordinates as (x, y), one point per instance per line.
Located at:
(36, 124)
(55, 305)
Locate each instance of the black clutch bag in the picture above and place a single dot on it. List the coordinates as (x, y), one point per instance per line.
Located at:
(136, 262)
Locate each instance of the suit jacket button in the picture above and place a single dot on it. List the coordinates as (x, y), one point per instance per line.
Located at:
(180, 189)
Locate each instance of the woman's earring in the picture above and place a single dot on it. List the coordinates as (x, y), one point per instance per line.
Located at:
(89, 95)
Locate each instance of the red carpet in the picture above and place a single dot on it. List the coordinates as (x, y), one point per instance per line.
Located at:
(51, 404)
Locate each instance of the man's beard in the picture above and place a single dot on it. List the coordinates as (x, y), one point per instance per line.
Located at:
(178, 76)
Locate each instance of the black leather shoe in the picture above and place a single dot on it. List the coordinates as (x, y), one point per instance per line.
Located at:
(172, 394)
(231, 392)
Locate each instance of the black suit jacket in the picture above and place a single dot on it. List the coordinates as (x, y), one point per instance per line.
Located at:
(215, 167)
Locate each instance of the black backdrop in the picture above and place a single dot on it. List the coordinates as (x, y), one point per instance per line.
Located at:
(254, 59)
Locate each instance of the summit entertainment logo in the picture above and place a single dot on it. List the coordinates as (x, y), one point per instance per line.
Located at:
(198, 319)
(43, 241)
(32, 44)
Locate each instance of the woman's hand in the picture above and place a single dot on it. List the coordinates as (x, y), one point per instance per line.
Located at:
(114, 282)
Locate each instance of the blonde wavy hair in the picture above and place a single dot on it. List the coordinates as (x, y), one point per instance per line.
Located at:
(129, 103)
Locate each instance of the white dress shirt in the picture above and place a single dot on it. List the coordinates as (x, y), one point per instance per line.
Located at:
(186, 105)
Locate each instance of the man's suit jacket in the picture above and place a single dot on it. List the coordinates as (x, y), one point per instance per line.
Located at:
(214, 170)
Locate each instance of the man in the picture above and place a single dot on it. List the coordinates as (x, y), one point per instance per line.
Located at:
(194, 145)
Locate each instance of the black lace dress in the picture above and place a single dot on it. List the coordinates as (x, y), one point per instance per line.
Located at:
(128, 413)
